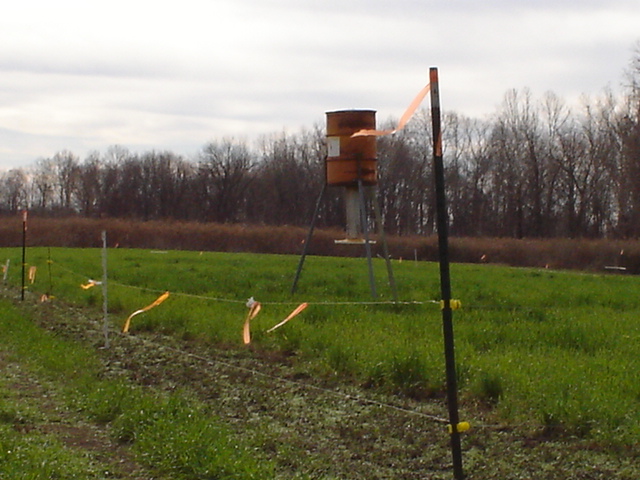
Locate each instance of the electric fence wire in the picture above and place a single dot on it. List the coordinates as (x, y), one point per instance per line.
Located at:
(463, 306)
(230, 300)
(297, 383)
(467, 307)
(350, 397)
(356, 398)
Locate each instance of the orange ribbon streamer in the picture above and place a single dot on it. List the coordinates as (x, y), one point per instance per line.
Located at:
(157, 302)
(90, 284)
(32, 274)
(299, 309)
(406, 116)
(254, 309)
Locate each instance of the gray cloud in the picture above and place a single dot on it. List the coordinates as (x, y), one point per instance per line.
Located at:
(80, 76)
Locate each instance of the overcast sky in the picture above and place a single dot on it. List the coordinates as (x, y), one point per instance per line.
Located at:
(85, 75)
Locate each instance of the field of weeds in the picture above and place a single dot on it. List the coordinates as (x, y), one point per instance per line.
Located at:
(547, 359)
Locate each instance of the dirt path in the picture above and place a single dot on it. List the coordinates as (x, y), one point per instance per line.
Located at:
(327, 428)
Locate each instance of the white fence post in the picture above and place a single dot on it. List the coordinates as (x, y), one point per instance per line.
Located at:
(105, 324)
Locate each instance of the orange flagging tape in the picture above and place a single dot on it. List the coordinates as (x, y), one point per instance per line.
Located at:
(32, 274)
(299, 309)
(403, 120)
(157, 302)
(90, 284)
(254, 309)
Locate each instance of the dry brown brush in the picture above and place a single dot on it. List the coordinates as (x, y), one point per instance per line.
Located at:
(78, 232)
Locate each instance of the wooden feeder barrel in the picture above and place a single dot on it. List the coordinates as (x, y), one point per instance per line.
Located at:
(346, 154)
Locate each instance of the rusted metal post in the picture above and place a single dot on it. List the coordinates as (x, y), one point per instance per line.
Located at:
(307, 241)
(365, 230)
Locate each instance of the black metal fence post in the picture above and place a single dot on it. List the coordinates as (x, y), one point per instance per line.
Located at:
(445, 278)
(24, 252)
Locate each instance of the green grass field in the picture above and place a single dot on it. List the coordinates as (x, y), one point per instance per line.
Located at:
(175, 435)
(537, 347)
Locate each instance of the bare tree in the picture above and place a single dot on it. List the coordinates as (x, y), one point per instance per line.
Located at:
(288, 179)
(224, 179)
(43, 184)
(13, 190)
(66, 170)
(629, 129)
(88, 185)
(536, 168)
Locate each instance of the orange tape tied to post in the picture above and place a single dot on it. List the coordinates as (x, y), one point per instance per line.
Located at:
(254, 309)
(406, 116)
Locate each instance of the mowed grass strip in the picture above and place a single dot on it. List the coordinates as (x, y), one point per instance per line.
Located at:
(173, 435)
(553, 349)
(28, 447)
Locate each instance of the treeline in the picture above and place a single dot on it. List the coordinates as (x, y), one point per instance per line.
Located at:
(536, 168)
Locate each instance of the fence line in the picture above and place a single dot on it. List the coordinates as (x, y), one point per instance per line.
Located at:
(346, 396)
(462, 304)
(301, 384)
(229, 300)
(298, 383)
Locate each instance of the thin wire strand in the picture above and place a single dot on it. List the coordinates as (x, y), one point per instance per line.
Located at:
(229, 300)
(300, 384)
(315, 387)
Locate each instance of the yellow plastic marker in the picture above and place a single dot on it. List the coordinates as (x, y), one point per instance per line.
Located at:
(157, 302)
(254, 309)
(453, 304)
(298, 309)
(462, 427)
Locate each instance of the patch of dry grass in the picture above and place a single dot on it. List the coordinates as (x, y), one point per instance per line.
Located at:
(77, 232)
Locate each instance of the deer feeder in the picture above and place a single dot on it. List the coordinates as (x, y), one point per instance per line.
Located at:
(351, 162)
